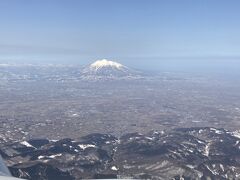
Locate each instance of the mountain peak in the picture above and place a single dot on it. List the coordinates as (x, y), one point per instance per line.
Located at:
(105, 69)
(105, 63)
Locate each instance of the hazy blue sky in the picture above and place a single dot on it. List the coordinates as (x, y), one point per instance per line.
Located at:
(126, 30)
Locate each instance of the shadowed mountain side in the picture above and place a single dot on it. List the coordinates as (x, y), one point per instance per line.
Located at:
(191, 153)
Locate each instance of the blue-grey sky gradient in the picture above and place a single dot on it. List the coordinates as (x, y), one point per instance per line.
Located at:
(126, 30)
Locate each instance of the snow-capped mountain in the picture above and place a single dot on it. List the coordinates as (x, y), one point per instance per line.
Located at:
(108, 69)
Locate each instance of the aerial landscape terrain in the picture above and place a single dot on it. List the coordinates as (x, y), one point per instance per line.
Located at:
(108, 120)
(120, 89)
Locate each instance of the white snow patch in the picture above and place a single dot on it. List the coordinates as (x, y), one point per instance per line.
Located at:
(114, 168)
(190, 166)
(41, 157)
(200, 142)
(222, 168)
(75, 115)
(200, 131)
(207, 149)
(213, 172)
(149, 138)
(237, 175)
(237, 142)
(53, 140)
(196, 121)
(25, 143)
(85, 146)
(156, 132)
(216, 131)
(190, 150)
(236, 134)
(52, 156)
(55, 155)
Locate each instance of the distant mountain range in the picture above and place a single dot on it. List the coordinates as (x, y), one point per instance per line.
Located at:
(99, 70)
(187, 153)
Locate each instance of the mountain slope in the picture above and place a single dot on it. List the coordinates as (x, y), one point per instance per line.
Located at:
(105, 69)
(189, 153)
